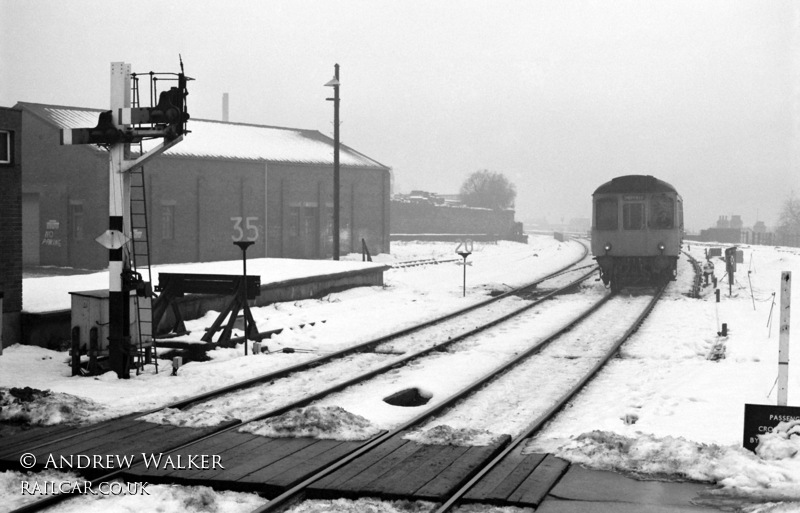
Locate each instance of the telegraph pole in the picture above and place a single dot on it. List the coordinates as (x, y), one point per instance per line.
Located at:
(335, 84)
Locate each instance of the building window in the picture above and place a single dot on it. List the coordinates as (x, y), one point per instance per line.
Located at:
(606, 214)
(5, 147)
(293, 223)
(167, 222)
(76, 221)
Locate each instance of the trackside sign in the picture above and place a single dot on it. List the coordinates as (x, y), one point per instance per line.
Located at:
(760, 419)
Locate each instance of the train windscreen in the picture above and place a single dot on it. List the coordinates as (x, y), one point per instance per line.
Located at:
(633, 216)
(662, 212)
(606, 214)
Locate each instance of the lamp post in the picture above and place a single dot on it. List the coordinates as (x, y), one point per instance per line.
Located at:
(243, 245)
(334, 82)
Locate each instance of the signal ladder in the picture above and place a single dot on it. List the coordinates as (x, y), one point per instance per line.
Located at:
(141, 264)
(141, 253)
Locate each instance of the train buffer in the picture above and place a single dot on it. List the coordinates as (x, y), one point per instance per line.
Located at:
(175, 285)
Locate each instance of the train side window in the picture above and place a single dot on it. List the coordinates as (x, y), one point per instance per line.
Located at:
(633, 216)
(680, 214)
(606, 214)
(662, 212)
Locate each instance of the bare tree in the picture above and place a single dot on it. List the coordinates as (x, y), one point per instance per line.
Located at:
(789, 220)
(488, 189)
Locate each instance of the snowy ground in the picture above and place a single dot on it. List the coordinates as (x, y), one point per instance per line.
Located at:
(661, 410)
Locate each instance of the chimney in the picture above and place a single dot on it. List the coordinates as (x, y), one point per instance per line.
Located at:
(224, 106)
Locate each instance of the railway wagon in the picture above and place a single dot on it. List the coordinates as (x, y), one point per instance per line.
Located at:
(637, 231)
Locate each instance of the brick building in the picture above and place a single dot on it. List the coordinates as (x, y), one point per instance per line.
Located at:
(270, 184)
(10, 222)
(410, 217)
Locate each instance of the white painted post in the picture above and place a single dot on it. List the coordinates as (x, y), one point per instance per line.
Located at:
(119, 220)
(783, 352)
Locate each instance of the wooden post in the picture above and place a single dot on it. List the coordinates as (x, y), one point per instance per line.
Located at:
(76, 350)
(783, 352)
(93, 350)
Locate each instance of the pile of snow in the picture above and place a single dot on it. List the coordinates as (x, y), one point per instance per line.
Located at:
(365, 505)
(782, 443)
(34, 407)
(772, 507)
(197, 418)
(188, 499)
(446, 435)
(372, 505)
(736, 470)
(644, 455)
(329, 422)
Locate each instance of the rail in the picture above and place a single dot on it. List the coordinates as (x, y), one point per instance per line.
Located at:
(551, 412)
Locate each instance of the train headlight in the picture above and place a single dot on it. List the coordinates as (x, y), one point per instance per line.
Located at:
(661, 247)
(607, 247)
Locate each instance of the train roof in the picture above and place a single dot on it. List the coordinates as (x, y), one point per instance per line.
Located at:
(634, 183)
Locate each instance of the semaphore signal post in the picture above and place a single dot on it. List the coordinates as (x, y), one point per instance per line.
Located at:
(116, 130)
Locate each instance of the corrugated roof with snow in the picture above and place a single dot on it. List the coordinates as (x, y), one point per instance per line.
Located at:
(225, 140)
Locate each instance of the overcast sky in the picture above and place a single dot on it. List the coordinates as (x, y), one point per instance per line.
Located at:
(559, 95)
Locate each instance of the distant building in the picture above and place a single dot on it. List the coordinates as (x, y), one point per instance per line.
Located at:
(422, 214)
(732, 231)
(728, 230)
(270, 184)
(11, 222)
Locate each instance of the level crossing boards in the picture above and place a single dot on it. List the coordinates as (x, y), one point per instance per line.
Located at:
(401, 468)
(397, 468)
(519, 479)
(245, 462)
(95, 451)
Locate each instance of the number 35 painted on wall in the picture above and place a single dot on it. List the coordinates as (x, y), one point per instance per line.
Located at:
(249, 225)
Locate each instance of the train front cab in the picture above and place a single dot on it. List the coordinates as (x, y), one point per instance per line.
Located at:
(636, 237)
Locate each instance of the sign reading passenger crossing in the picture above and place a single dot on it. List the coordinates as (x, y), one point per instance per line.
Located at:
(760, 419)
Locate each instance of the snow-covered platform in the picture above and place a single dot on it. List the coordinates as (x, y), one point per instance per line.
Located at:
(46, 307)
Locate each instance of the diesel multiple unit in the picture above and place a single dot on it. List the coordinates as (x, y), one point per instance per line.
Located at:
(637, 231)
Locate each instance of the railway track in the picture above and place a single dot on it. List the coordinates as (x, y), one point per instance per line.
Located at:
(386, 439)
(423, 261)
(698, 275)
(473, 488)
(67, 437)
(363, 347)
(329, 481)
